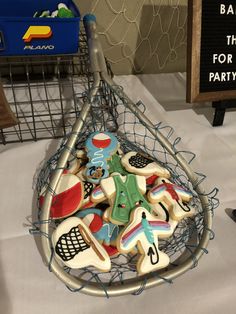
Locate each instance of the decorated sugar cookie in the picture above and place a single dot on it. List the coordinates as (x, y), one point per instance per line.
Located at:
(105, 232)
(68, 197)
(124, 193)
(115, 165)
(138, 164)
(88, 189)
(76, 247)
(176, 198)
(100, 147)
(76, 161)
(162, 212)
(150, 180)
(143, 231)
(97, 195)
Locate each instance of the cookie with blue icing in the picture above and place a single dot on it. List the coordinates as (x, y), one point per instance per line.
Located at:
(100, 147)
(143, 231)
(105, 232)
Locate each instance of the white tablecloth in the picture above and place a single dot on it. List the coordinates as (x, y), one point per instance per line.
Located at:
(27, 287)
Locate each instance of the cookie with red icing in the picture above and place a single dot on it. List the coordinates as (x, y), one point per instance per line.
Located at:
(105, 232)
(174, 197)
(67, 198)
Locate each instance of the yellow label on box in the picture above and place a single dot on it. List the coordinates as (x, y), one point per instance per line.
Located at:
(37, 32)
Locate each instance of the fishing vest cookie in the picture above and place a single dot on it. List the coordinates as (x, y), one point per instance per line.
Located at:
(124, 194)
(76, 247)
(100, 147)
(116, 166)
(138, 164)
(176, 198)
(143, 231)
(68, 196)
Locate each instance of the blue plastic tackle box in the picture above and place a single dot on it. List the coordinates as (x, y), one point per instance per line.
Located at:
(23, 34)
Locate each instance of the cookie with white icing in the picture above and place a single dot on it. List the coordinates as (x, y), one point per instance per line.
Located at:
(175, 196)
(136, 163)
(76, 161)
(143, 231)
(97, 195)
(76, 247)
(162, 212)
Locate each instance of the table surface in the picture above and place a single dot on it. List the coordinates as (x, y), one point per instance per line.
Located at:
(26, 286)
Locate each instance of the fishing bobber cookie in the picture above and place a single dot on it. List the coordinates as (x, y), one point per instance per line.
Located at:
(136, 163)
(100, 147)
(76, 247)
(67, 197)
(175, 197)
(143, 231)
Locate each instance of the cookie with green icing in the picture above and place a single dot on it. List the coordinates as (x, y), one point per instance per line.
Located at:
(124, 193)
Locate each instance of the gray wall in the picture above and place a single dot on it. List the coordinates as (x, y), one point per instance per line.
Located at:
(141, 36)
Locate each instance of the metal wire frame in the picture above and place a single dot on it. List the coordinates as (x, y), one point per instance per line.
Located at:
(137, 284)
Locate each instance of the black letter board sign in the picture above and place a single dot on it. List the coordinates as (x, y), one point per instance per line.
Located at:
(211, 64)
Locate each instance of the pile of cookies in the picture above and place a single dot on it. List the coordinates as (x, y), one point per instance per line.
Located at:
(108, 202)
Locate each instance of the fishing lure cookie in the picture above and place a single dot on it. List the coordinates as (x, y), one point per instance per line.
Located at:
(176, 198)
(143, 231)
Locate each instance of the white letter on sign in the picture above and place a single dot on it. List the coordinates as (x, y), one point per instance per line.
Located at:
(211, 75)
(222, 58)
(222, 9)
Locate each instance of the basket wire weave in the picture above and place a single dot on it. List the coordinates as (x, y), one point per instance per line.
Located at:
(105, 107)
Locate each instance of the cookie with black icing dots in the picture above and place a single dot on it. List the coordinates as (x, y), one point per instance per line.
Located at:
(136, 163)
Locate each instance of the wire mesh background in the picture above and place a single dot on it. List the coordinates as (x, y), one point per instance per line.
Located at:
(110, 113)
(43, 92)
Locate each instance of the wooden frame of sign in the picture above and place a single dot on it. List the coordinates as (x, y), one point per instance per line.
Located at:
(194, 51)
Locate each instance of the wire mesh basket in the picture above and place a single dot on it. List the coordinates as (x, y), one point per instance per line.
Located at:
(105, 107)
(43, 93)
